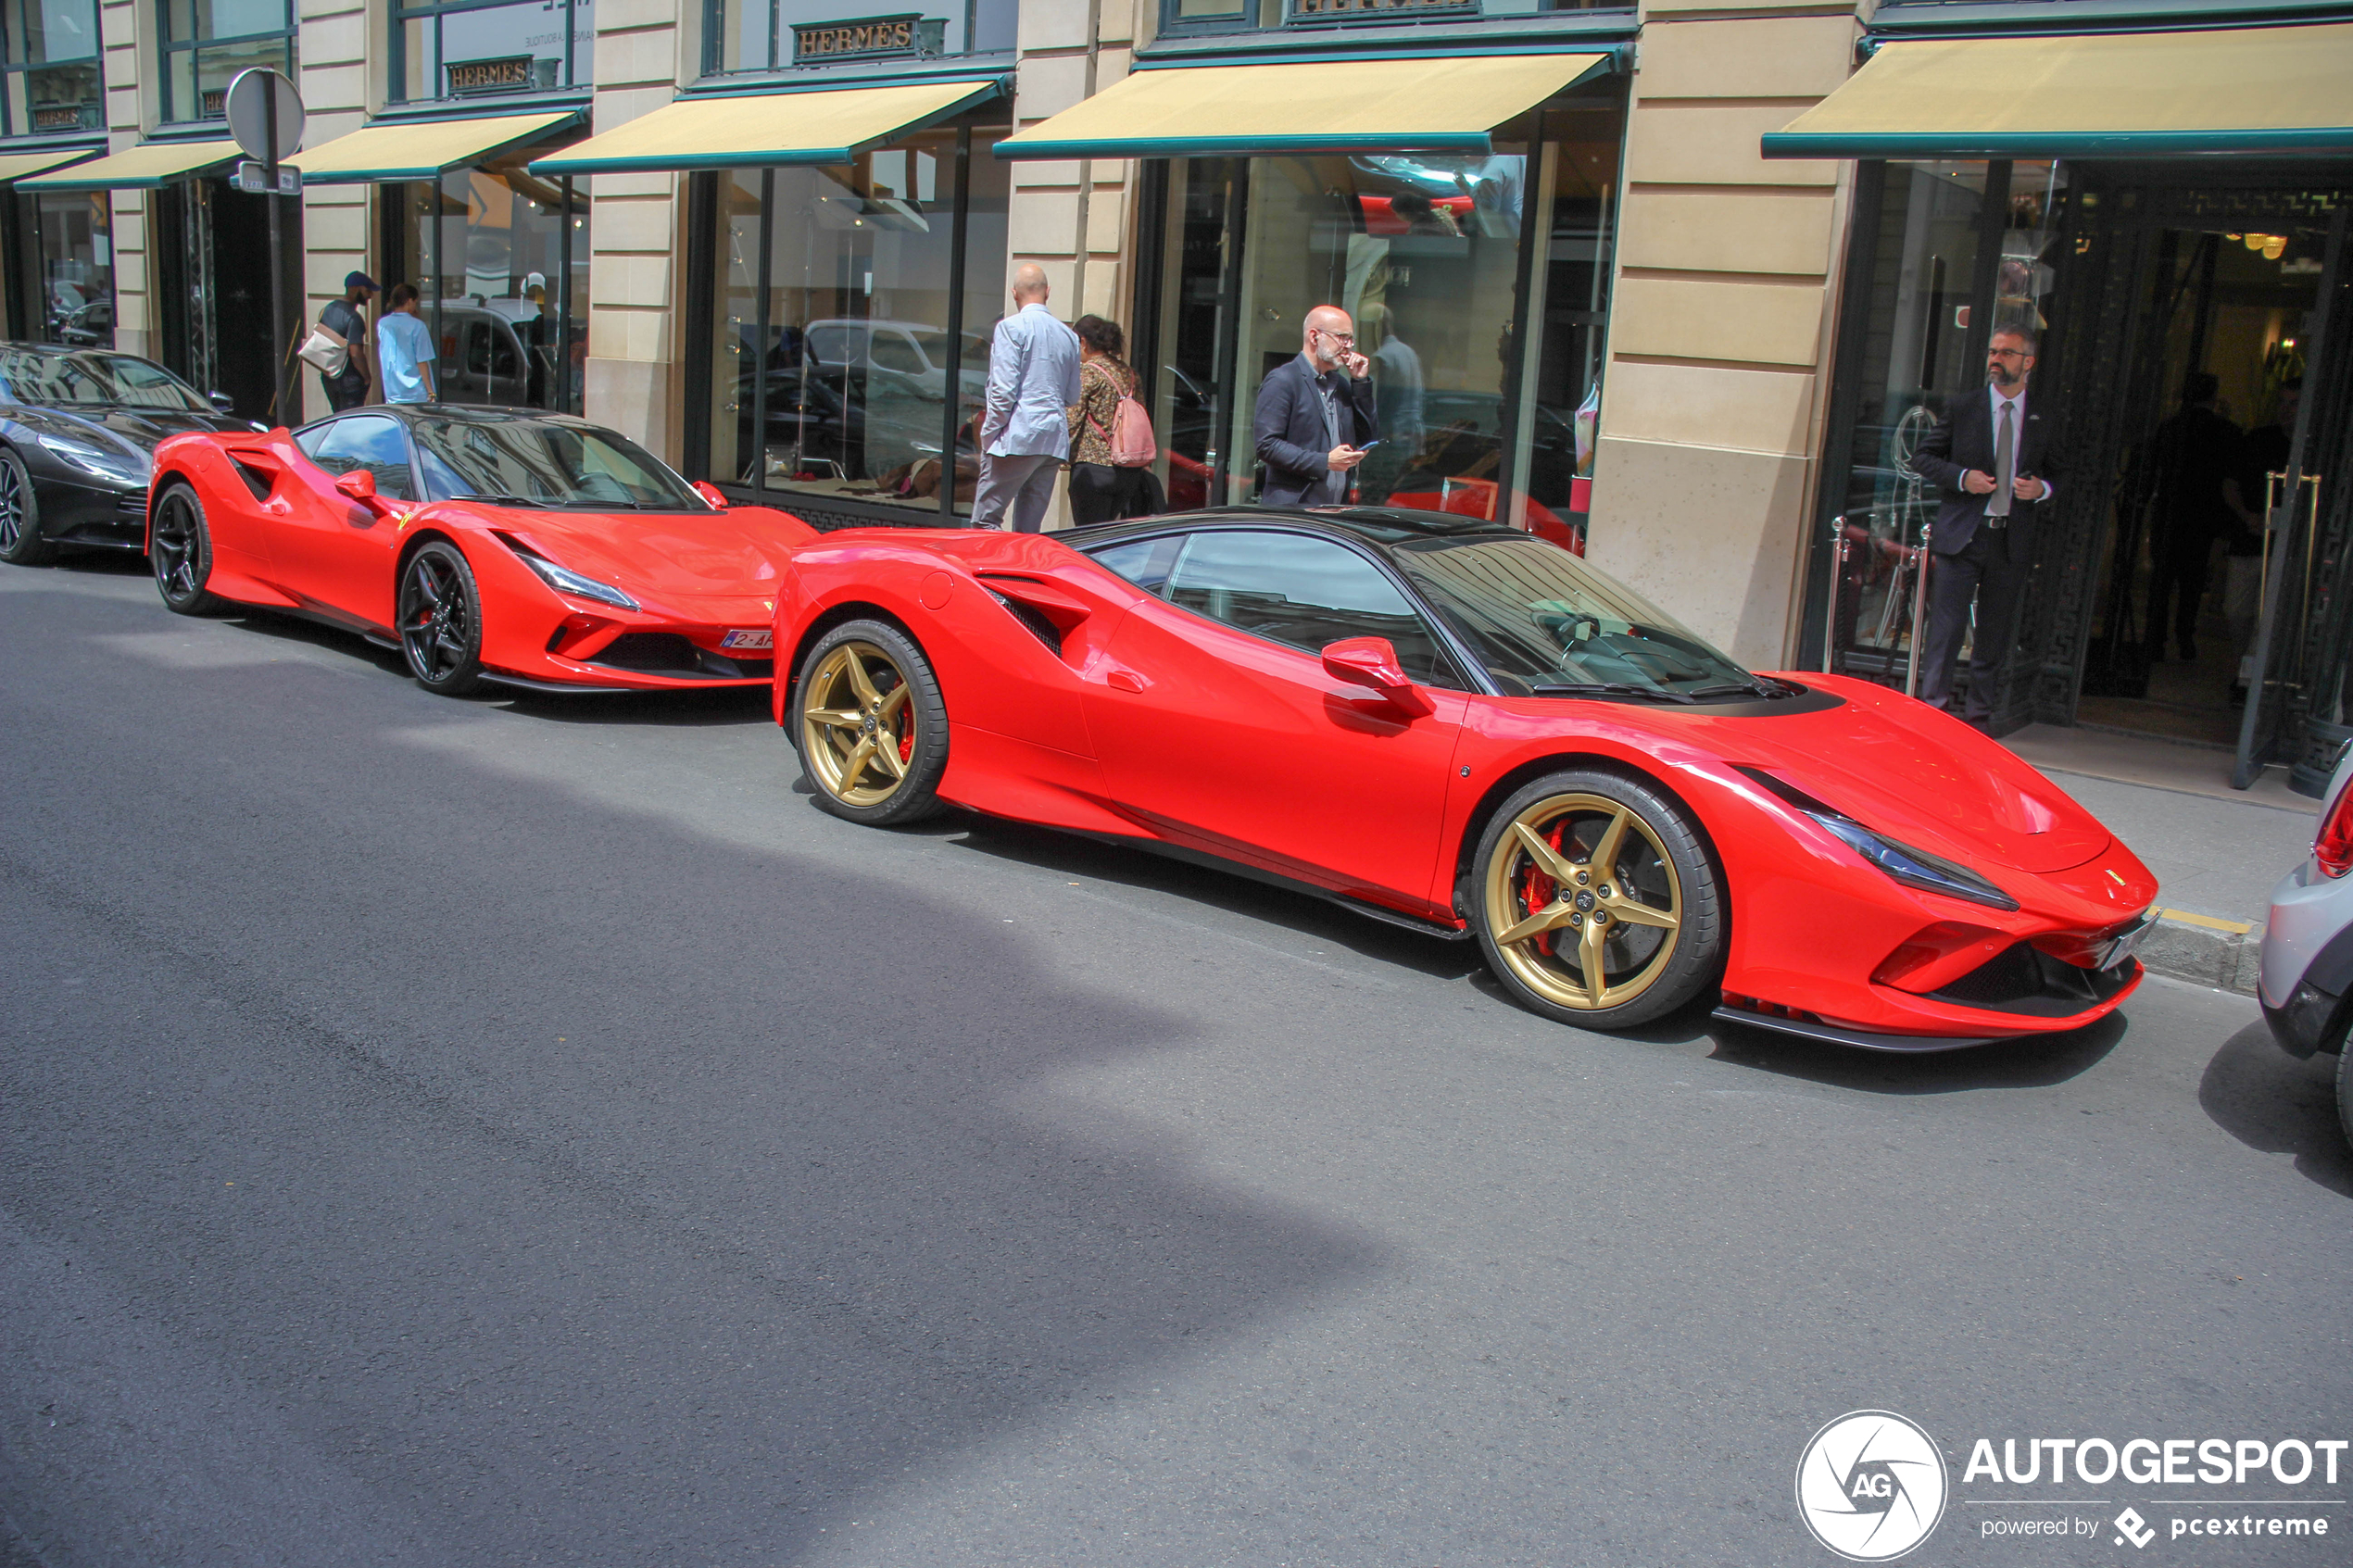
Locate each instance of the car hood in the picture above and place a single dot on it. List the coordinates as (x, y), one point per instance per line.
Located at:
(136, 430)
(738, 553)
(1922, 777)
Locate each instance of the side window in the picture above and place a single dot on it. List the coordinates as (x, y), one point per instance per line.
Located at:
(1305, 592)
(366, 441)
(478, 347)
(893, 352)
(1144, 562)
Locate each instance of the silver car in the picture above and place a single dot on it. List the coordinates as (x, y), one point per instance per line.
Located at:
(2307, 946)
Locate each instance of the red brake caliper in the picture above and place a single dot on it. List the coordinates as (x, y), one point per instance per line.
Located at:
(1540, 890)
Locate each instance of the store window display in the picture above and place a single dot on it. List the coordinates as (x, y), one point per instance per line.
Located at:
(502, 261)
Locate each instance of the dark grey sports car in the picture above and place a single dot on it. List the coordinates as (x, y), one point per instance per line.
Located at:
(77, 433)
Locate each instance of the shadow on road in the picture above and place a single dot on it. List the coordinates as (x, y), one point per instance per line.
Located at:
(2270, 1102)
(584, 1184)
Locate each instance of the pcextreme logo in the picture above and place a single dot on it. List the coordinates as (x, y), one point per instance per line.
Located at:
(1870, 1485)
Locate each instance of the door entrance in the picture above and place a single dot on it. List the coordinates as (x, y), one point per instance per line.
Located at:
(213, 260)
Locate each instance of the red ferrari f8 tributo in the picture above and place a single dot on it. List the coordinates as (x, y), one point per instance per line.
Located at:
(528, 549)
(1459, 728)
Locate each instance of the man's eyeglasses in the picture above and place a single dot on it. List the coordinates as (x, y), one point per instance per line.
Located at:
(2009, 354)
(1347, 340)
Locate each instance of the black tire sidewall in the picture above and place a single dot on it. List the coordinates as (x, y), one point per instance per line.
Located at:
(30, 549)
(919, 797)
(468, 674)
(1698, 963)
(200, 601)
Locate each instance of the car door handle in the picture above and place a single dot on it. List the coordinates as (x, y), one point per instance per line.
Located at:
(1126, 681)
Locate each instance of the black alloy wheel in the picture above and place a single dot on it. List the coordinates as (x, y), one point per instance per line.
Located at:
(20, 540)
(181, 552)
(440, 620)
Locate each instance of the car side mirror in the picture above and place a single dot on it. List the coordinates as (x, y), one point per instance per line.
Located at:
(221, 402)
(361, 485)
(710, 492)
(1371, 661)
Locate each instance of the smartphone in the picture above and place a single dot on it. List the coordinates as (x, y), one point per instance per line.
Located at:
(1368, 445)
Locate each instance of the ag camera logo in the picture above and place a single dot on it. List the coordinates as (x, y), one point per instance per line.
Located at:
(1871, 1486)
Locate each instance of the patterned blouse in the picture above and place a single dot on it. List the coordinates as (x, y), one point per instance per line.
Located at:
(1102, 382)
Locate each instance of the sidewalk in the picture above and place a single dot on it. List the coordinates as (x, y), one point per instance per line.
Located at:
(2216, 852)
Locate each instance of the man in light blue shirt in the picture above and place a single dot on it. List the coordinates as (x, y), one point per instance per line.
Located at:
(404, 349)
(1024, 436)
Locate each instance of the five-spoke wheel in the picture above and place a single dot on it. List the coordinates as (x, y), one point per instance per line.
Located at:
(873, 727)
(439, 614)
(180, 549)
(1597, 901)
(20, 540)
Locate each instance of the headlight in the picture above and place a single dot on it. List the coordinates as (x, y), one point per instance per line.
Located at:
(103, 462)
(1913, 868)
(563, 579)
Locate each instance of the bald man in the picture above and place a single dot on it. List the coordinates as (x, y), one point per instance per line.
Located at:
(1024, 436)
(1315, 416)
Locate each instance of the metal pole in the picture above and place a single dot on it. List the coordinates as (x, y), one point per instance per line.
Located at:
(280, 358)
(1920, 608)
(1838, 560)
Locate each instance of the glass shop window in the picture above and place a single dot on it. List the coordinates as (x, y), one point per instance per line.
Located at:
(1218, 16)
(833, 371)
(491, 252)
(50, 53)
(206, 43)
(67, 268)
(462, 51)
(742, 35)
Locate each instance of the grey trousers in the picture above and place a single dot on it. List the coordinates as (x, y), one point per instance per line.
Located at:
(1021, 483)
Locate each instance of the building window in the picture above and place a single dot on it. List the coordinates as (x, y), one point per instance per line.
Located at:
(1427, 252)
(1226, 16)
(848, 349)
(759, 34)
(500, 259)
(67, 268)
(466, 49)
(206, 43)
(49, 49)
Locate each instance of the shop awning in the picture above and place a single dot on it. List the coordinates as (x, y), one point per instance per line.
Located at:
(775, 128)
(422, 149)
(16, 166)
(2122, 94)
(138, 169)
(1446, 104)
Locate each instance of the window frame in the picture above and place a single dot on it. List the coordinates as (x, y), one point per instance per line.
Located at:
(168, 48)
(399, 13)
(11, 67)
(715, 20)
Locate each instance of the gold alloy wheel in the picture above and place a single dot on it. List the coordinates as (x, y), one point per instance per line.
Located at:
(858, 724)
(1583, 902)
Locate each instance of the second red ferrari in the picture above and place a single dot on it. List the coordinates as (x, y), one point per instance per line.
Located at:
(526, 549)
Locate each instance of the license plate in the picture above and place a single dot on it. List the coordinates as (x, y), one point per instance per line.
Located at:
(762, 638)
(2123, 944)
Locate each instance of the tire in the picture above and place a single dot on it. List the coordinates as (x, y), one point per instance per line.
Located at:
(2345, 1092)
(1645, 927)
(181, 553)
(20, 540)
(871, 725)
(438, 613)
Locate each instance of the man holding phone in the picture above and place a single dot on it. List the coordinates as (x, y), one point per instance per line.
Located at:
(1315, 417)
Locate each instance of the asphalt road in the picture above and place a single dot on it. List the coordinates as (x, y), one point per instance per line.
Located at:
(512, 1132)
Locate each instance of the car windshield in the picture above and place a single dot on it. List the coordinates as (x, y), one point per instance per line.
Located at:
(96, 379)
(1547, 624)
(530, 462)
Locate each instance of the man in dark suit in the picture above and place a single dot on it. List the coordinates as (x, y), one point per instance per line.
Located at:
(1314, 416)
(1993, 458)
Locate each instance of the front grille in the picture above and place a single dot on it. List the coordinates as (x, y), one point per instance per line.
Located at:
(2022, 979)
(667, 653)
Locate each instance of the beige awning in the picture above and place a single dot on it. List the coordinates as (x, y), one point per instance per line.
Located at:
(16, 166)
(138, 169)
(1446, 104)
(775, 128)
(422, 149)
(2115, 94)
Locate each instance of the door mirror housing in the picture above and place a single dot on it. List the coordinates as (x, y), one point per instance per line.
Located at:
(1371, 661)
(361, 485)
(221, 402)
(710, 492)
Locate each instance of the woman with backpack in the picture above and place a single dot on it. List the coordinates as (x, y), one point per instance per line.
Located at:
(1111, 436)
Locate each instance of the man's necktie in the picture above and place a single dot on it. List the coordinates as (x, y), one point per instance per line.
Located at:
(2005, 464)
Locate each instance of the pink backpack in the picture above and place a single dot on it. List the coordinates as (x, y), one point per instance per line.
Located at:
(1130, 434)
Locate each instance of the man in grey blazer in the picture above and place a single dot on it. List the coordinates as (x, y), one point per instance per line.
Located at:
(1024, 436)
(1315, 415)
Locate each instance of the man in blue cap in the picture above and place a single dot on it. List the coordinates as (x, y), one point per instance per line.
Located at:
(347, 318)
